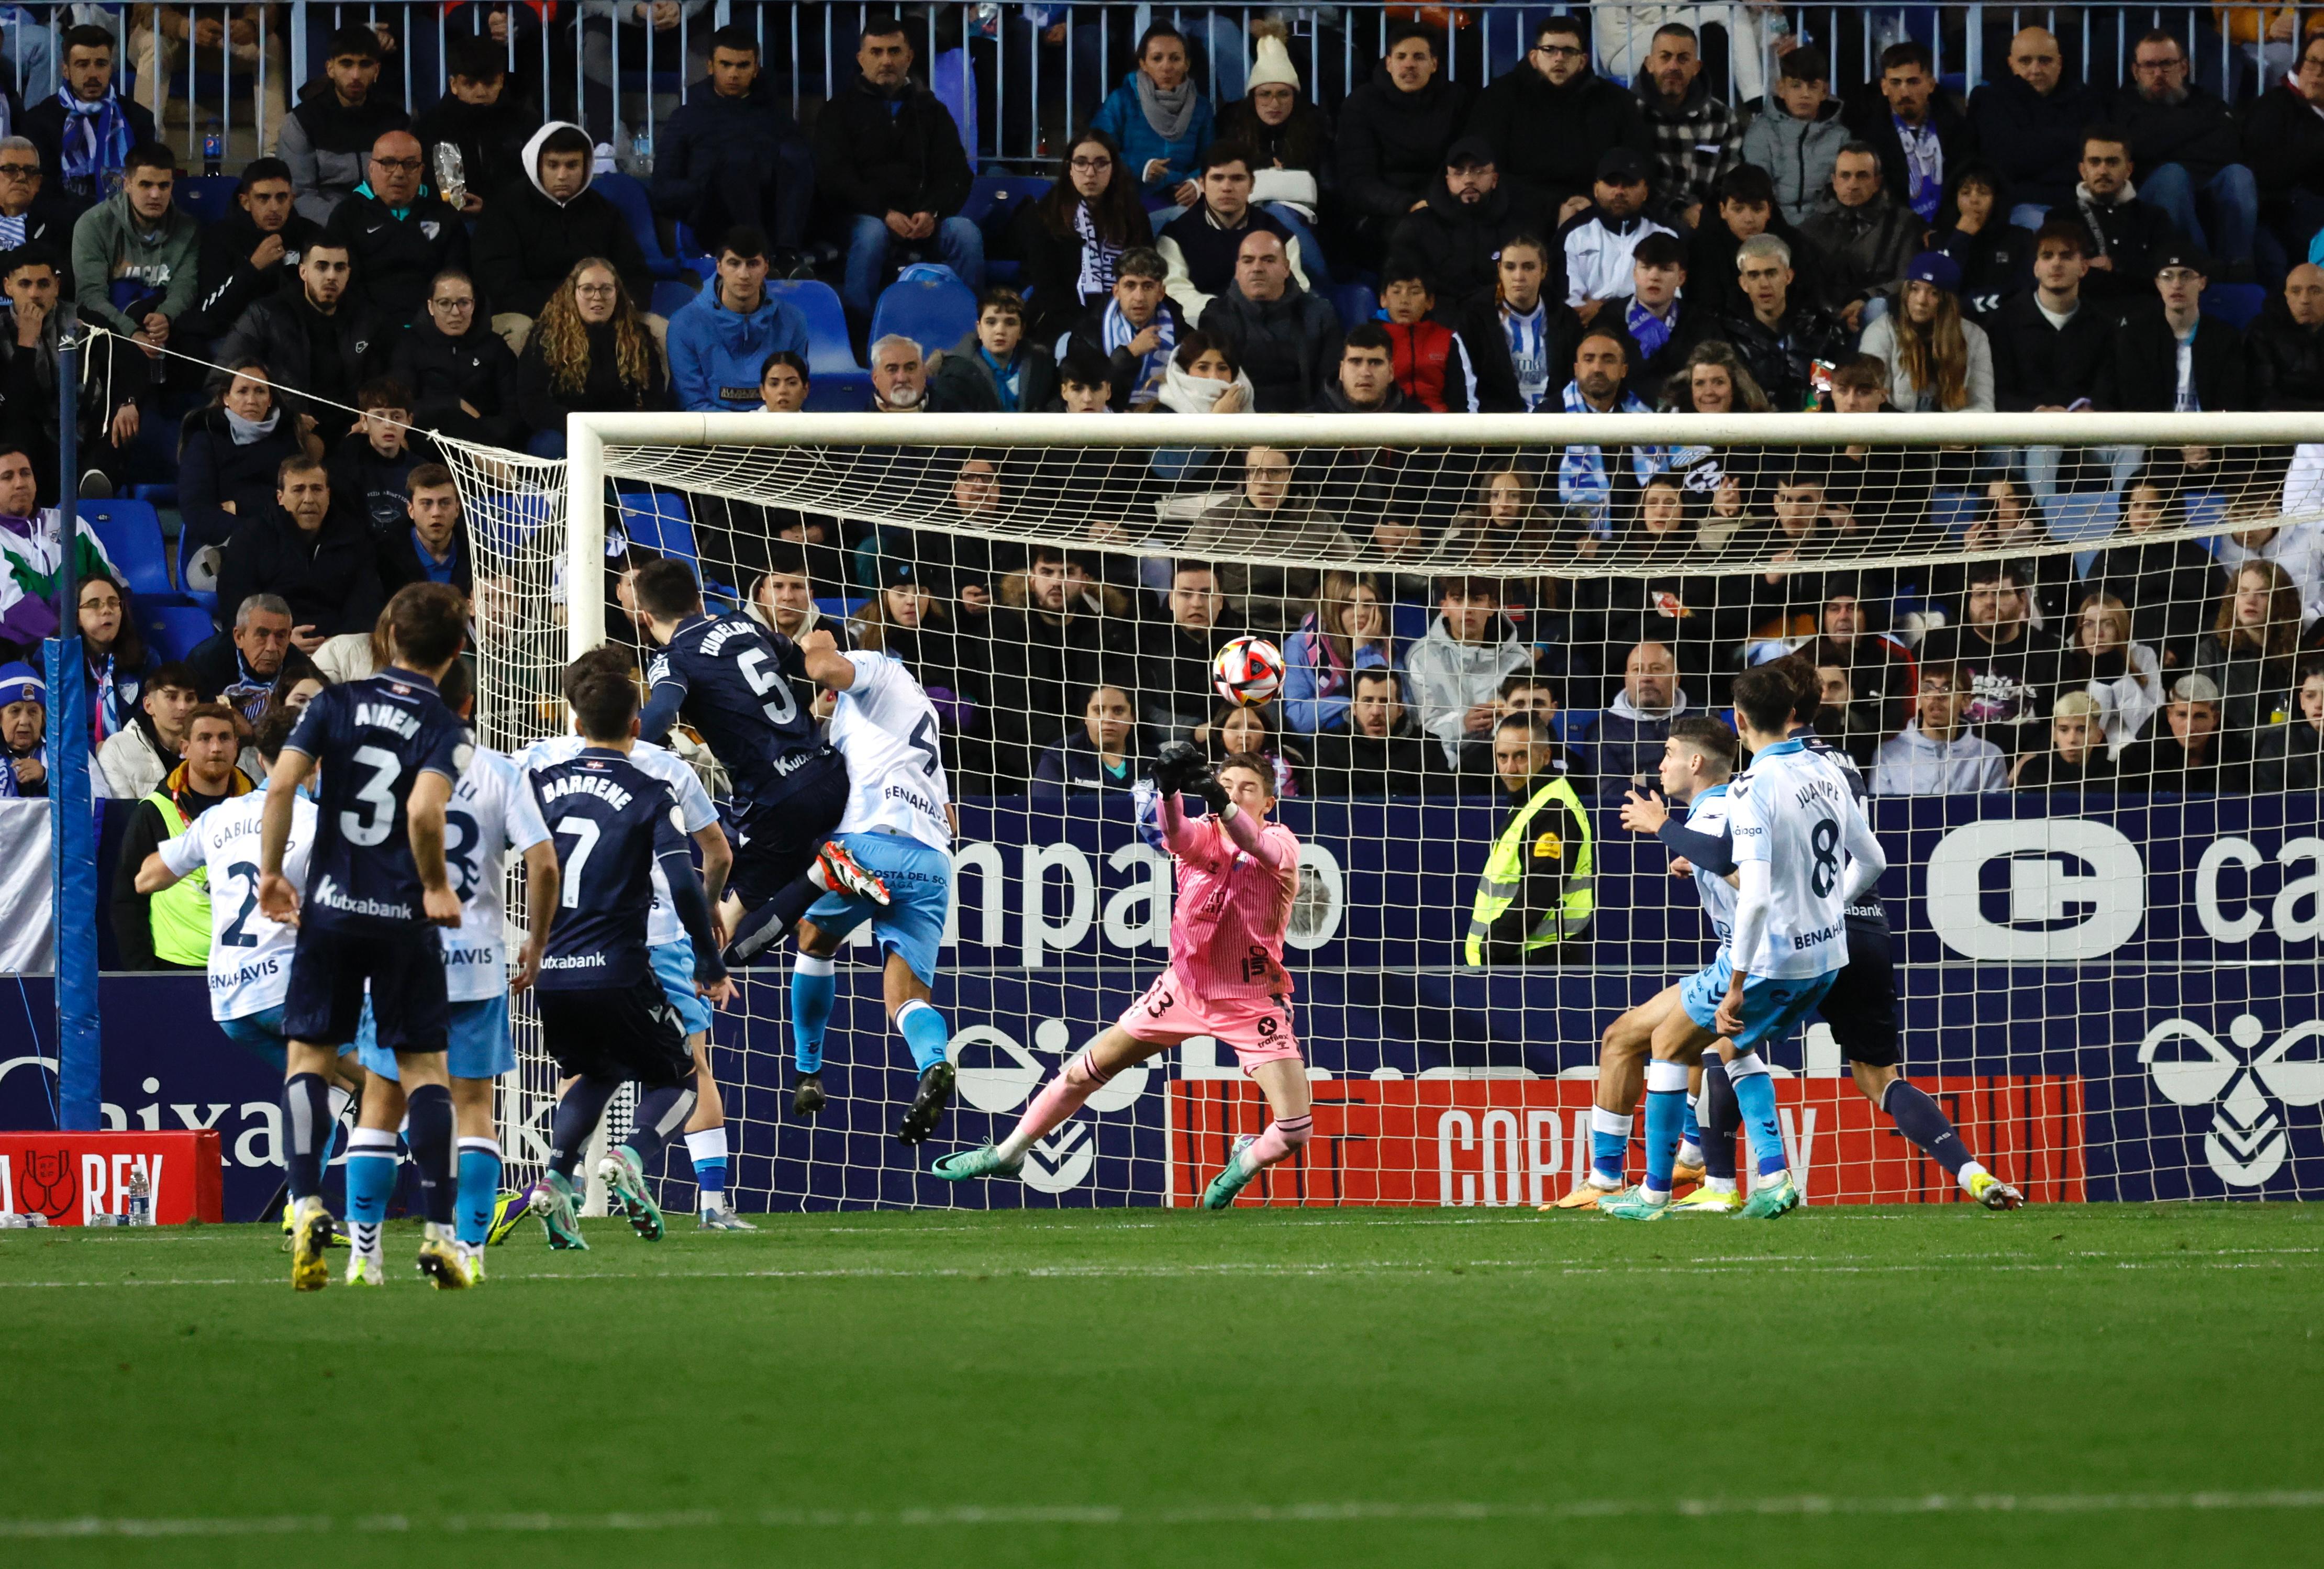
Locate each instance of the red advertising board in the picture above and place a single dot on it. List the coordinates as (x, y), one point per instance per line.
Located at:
(73, 1177)
(1523, 1142)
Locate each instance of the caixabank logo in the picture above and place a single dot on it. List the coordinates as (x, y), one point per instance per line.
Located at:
(2038, 890)
(2252, 1087)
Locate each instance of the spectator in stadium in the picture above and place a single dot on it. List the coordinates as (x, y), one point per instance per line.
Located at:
(1289, 141)
(24, 733)
(317, 345)
(250, 656)
(1373, 750)
(2007, 668)
(434, 546)
(1134, 331)
(908, 620)
(2289, 756)
(142, 752)
(1938, 753)
(1661, 328)
(252, 253)
(2049, 343)
(2030, 122)
(1878, 670)
(1995, 257)
(1456, 668)
(1078, 240)
(1849, 722)
(1779, 338)
(2124, 230)
(1864, 241)
(33, 211)
(1366, 384)
(1596, 242)
(1797, 134)
(1745, 207)
(2125, 679)
(1202, 246)
(135, 257)
(1429, 362)
(2283, 147)
(370, 470)
(1552, 120)
(1395, 130)
(1523, 338)
(1161, 119)
(993, 369)
(223, 44)
(732, 158)
(888, 154)
(783, 383)
(1697, 138)
(2252, 649)
(1503, 526)
(118, 662)
(1585, 475)
(2168, 354)
(1104, 755)
(1630, 733)
(1656, 588)
(1800, 527)
(1914, 129)
(783, 597)
(2186, 142)
(397, 232)
(2284, 347)
(1455, 234)
(113, 377)
(2189, 756)
(1268, 515)
(1285, 339)
(719, 340)
(1234, 728)
(1174, 654)
(231, 452)
(483, 118)
(2172, 586)
(1533, 899)
(1345, 634)
(340, 115)
(900, 378)
(530, 241)
(591, 352)
(1937, 360)
(2297, 547)
(87, 130)
(171, 930)
(2078, 758)
(316, 556)
(462, 376)
(1052, 638)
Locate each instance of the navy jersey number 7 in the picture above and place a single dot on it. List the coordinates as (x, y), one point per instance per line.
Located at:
(734, 681)
(611, 822)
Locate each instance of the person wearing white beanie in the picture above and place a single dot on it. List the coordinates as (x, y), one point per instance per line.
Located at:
(1290, 142)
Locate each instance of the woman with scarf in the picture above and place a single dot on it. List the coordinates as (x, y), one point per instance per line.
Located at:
(1160, 120)
(1204, 378)
(228, 456)
(589, 352)
(1072, 241)
(119, 664)
(1347, 630)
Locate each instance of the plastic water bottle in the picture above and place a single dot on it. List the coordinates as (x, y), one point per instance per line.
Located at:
(141, 1197)
(213, 148)
(10, 1220)
(641, 153)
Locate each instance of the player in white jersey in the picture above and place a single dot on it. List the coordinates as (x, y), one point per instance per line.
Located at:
(1803, 851)
(898, 826)
(492, 812)
(672, 952)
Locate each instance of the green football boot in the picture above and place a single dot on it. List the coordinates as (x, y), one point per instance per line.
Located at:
(626, 1180)
(1770, 1199)
(984, 1160)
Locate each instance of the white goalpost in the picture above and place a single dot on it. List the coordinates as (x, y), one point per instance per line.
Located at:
(2107, 960)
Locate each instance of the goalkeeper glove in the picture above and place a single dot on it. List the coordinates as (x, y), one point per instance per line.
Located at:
(1175, 766)
(1207, 786)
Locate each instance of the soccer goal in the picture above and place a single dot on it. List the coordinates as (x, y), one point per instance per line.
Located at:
(2072, 656)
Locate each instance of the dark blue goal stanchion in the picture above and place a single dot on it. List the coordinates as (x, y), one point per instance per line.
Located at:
(72, 824)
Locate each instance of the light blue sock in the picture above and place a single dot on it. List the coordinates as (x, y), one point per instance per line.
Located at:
(926, 1032)
(371, 1176)
(814, 985)
(1666, 1113)
(1755, 1093)
(1691, 1131)
(479, 1171)
(1610, 1144)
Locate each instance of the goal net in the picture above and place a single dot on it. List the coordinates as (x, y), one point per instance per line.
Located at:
(2071, 654)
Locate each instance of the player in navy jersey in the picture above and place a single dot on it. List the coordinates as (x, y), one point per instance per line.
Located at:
(603, 1014)
(731, 679)
(377, 890)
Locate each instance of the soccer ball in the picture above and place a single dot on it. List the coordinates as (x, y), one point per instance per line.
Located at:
(1247, 671)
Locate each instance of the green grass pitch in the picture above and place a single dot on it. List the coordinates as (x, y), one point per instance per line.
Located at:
(2103, 1386)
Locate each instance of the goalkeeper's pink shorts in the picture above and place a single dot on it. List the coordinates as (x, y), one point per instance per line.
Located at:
(1258, 1028)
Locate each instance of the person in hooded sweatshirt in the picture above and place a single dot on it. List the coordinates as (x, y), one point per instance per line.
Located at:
(1394, 133)
(720, 341)
(482, 117)
(532, 237)
(138, 238)
(339, 116)
(732, 157)
(461, 373)
(1799, 133)
(1937, 754)
(253, 251)
(398, 233)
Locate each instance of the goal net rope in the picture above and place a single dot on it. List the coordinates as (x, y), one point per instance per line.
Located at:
(2079, 677)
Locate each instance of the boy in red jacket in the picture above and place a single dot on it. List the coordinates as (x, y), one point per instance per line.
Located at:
(1431, 364)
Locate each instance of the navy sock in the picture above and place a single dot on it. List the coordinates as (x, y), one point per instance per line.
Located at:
(1921, 1119)
(307, 1107)
(660, 1113)
(427, 1131)
(575, 1118)
(1723, 1119)
(766, 926)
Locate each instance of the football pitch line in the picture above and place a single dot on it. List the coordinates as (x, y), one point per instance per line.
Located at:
(1104, 1515)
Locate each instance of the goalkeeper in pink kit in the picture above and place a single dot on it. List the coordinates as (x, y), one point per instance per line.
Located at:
(1238, 874)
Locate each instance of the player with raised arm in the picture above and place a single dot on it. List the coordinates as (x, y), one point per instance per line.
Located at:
(604, 1015)
(672, 952)
(377, 888)
(899, 828)
(491, 814)
(1803, 852)
(1238, 875)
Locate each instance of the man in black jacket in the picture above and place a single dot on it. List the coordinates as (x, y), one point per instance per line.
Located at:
(1380, 752)
(1200, 244)
(1913, 126)
(1395, 130)
(316, 558)
(462, 376)
(888, 154)
(537, 229)
(482, 116)
(435, 548)
(1287, 339)
(1174, 652)
(2285, 347)
(1550, 119)
(732, 157)
(2185, 140)
(1779, 339)
(2029, 124)
(80, 170)
(1456, 232)
(112, 375)
(32, 212)
(2283, 147)
(2047, 345)
(2146, 372)
(397, 233)
(1865, 240)
(316, 341)
(239, 667)
(2125, 230)
(1046, 655)
(252, 253)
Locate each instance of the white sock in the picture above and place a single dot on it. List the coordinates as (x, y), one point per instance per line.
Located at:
(1689, 1153)
(1719, 1183)
(364, 1237)
(1970, 1172)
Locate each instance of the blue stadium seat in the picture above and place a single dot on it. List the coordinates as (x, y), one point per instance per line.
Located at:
(208, 196)
(174, 631)
(935, 312)
(992, 198)
(1355, 303)
(691, 255)
(840, 384)
(670, 296)
(626, 193)
(659, 520)
(2234, 303)
(132, 534)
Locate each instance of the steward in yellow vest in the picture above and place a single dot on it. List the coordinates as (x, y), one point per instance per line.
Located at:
(1534, 898)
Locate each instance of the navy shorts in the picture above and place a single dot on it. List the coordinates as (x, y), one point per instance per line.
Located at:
(405, 968)
(617, 1032)
(1861, 1006)
(780, 838)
